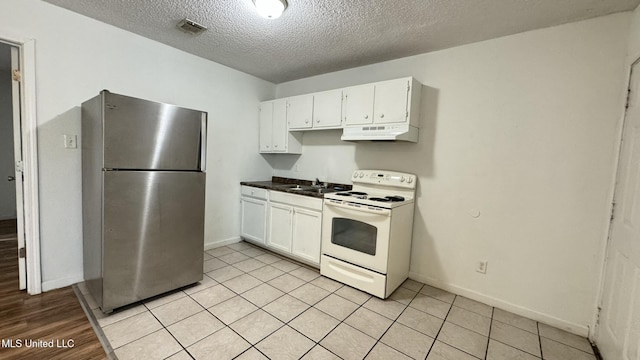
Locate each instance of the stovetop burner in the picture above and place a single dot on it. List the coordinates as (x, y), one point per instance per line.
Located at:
(363, 195)
(395, 198)
(384, 199)
(358, 194)
(387, 199)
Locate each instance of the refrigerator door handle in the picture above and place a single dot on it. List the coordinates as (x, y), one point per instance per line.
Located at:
(203, 143)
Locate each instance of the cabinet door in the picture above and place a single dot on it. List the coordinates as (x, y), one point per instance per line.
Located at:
(300, 112)
(307, 227)
(327, 109)
(254, 219)
(279, 125)
(280, 227)
(358, 105)
(390, 104)
(266, 128)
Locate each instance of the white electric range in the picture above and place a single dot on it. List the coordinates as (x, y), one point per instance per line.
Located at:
(366, 232)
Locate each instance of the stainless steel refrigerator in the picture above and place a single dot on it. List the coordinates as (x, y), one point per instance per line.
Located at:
(143, 188)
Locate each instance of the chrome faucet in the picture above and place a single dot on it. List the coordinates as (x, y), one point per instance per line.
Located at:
(318, 183)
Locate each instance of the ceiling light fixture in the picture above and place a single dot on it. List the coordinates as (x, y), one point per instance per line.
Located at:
(190, 26)
(270, 9)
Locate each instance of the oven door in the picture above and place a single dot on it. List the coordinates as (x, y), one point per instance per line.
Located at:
(358, 234)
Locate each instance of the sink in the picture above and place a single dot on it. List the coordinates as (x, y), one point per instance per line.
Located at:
(316, 189)
(325, 190)
(288, 186)
(302, 188)
(296, 187)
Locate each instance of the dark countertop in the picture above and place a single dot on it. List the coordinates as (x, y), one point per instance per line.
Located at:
(280, 184)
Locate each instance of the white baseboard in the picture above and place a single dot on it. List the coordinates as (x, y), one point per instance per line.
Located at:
(60, 283)
(215, 244)
(582, 330)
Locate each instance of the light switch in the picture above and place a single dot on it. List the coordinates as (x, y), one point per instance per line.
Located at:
(70, 141)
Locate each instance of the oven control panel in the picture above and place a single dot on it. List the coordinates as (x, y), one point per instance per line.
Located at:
(385, 178)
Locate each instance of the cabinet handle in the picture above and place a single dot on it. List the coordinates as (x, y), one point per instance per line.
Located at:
(306, 121)
(275, 145)
(317, 120)
(381, 116)
(366, 116)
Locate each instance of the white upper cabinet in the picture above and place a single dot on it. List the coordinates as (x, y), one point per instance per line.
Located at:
(321, 110)
(386, 102)
(357, 108)
(283, 121)
(274, 136)
(279, 126)
(266, 126)
(300, 112)
(390, 102)
(327, 109)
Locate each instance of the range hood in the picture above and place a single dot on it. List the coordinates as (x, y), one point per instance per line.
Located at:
(382, 132)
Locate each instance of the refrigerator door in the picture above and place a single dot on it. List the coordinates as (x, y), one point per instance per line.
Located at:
(153, 233)
(146, 135)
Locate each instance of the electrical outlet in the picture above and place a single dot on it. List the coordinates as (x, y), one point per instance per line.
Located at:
(70, 141)
(481, 266)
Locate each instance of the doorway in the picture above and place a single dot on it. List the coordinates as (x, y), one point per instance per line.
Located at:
(8, 191)
(21, 171)
(618, 329)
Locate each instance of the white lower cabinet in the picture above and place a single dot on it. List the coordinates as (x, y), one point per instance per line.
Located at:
(287, 223)
(280, 227)
(254, 214)
(307, 225)
(295, 225)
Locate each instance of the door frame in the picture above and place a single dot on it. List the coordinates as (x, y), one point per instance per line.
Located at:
(593, 331)
(28, 125)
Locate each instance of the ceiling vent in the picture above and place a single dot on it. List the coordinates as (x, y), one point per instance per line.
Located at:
(190, 27)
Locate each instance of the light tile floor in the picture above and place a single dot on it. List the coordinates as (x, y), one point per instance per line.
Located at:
(253, 304)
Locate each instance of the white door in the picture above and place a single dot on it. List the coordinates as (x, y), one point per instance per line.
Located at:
(279, 125)
(254, 219)
(280, 229)
(299, 112)
(327, 109)
(307, 227)
(17, 150)
(390, 102)
(266, 126)
(358, 105)
(618, 333)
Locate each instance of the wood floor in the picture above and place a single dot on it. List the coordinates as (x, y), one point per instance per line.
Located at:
(54, 315)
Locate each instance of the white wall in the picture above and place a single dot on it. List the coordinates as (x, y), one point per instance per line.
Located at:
(7, 189)
(76, 57)
(634, 39)
(522, 128)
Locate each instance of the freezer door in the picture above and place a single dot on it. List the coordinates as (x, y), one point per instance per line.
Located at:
(141, 134)
(153, 233)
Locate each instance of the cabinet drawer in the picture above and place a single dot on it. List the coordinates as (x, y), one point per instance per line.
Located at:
(296, 200)
(255, 192)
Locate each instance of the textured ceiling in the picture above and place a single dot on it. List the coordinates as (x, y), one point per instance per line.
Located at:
(318, 36)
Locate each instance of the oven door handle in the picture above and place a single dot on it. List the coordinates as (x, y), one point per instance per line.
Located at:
(362, 208)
